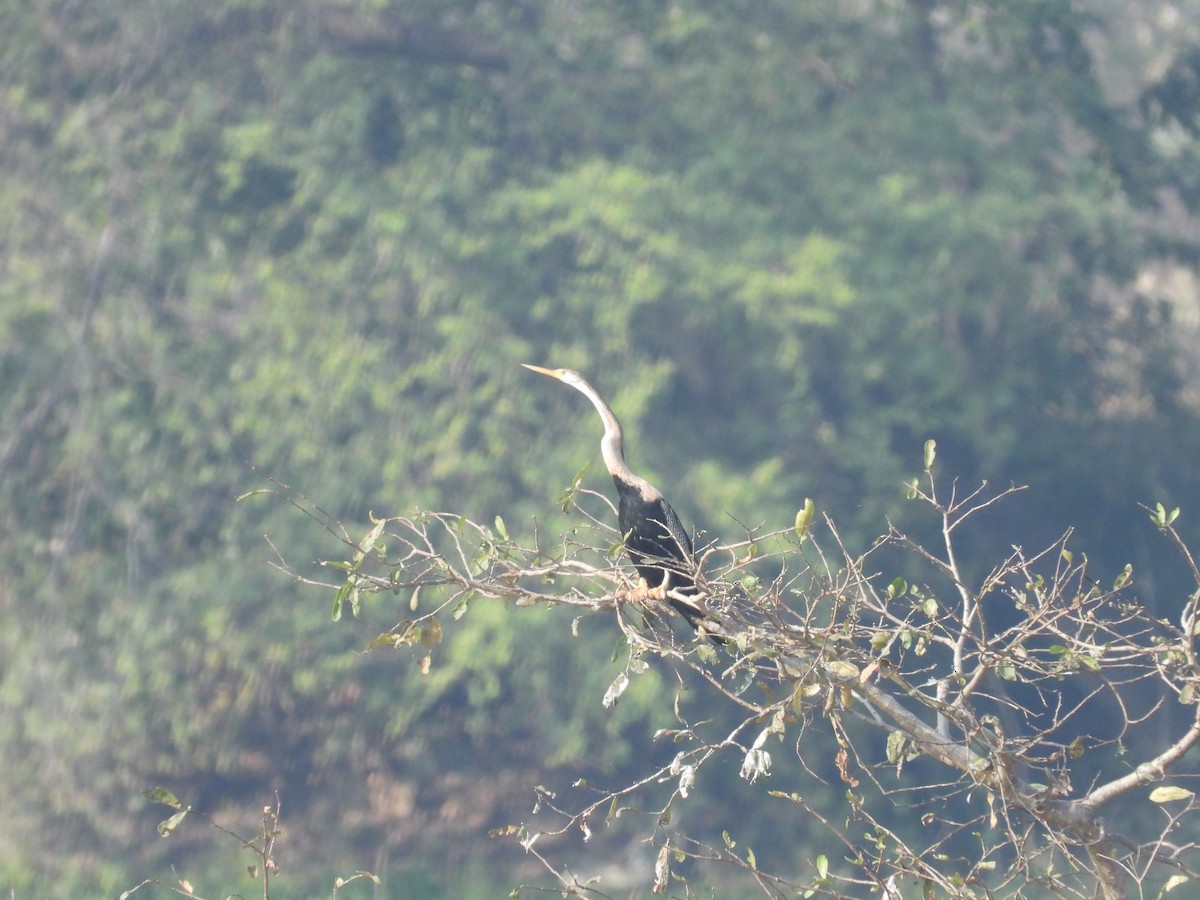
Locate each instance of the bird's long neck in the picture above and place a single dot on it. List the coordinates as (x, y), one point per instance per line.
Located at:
(612, 445)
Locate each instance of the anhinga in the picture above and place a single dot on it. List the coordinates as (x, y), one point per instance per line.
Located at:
(655, 539)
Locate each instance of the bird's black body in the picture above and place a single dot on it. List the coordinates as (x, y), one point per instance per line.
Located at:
(655, 539)
(660, 548)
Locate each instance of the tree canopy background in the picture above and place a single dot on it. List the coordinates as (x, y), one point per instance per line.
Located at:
(313, 240)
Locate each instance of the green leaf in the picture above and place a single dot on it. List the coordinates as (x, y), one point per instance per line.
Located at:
(615, 690)
(930, 453)
(567, 498)
(387, 639)
(1161, 517)
(840, 668)
(804, 518)
(163, 796)
(345, 593)
(1123, 578)
(167, 827)
(822, 864)
(579, 476)
(368, 542)
(431, 634)
(1169, 793)
(460, 608)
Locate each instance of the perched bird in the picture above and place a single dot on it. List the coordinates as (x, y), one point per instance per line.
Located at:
(661, 549)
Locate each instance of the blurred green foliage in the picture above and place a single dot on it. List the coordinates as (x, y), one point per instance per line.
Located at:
(789, 241)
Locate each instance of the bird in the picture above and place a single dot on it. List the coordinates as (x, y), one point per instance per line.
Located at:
(659, 546)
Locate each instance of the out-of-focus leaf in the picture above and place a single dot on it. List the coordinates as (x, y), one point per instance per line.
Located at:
(1169, 793)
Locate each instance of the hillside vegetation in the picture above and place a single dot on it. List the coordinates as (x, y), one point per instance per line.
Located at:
(311, 241)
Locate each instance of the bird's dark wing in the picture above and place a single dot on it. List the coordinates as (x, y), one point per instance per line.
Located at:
(659, 545)
(654, 533)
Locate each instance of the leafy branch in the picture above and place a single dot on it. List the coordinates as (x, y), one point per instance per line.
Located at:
(261, 847)
(996, 680)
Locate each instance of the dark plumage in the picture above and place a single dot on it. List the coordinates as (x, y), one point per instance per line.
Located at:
(657, 543)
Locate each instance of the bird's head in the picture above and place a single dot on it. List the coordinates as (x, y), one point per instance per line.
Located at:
(569, 376)
(610, 444)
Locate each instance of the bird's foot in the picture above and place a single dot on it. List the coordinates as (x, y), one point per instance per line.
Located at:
(644, 592)
(658, 593)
